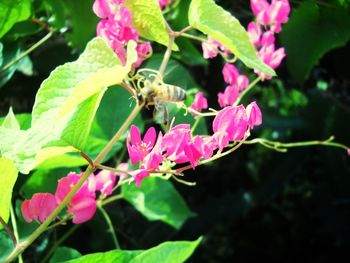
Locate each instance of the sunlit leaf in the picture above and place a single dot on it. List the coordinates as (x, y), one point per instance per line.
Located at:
(214, 21)
(8, 177)
(148, 20)
(11, 12)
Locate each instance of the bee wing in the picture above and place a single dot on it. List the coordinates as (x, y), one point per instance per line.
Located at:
(160, 113)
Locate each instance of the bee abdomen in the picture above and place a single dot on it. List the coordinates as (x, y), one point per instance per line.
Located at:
(175, 93)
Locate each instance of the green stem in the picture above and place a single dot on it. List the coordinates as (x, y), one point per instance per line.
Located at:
(195, 125)
(15, 229)
(168, 51)
(193, 37)
(251, 85)
(280, 146)
(111, 199)
(25, 53)
(110, 226)
(37, 232)
(59, 242)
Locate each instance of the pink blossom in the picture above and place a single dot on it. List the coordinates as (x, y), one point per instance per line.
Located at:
(230, 73)
(267, 39)
(105, 8)
(123, 168)
(81, 205)
(138, 148)
(82, 209)
(143, 50)
(229, 125)
(200, 102)
(164, 3)
(254, 32)
(209, 50)
(348, 151)
(105, 181)
(273, 14)
(254, 115)
(229, 96)
(39, 207)
(139, 175)
(271, 57)
(155, 157)
(174, 142)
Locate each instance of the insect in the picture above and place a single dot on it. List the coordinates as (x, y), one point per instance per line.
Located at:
(156, 92)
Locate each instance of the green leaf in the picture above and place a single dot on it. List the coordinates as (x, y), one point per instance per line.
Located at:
(11, 12)
(10, 52)
(10, 121)
(8, 177)
(214, 21)
(120, 256)
(304, 43)
(149, 21)
(169, 252)
(64, 253)
(65, 105)
(157, 199)
(23, 119)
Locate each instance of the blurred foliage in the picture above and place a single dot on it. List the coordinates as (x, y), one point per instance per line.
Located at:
(252, 205)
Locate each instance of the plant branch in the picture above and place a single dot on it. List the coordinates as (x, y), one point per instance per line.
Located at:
(280, 146)
(110, 226)
(9, 231)
(15, 229)
(111, 199)
(168, 51)
(25, 53)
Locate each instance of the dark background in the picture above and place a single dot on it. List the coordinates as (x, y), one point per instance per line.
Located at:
(256, 203)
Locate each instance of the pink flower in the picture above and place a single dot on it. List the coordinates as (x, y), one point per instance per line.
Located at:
(139, 175)
(105, 181)
(83, 204)
(164, 3)
(39, 207)
(229, 125)
(229, 96)
(230, 73)
(143, 51)
(273, 14)
(254, 115)
(155, 157)
(348, 151)
(138, 149)
(193, 151)
(174, 142)
(267, 39)
(209, 50)
(105, 8)
(200, 102)
(124, 168)
(271, 57)
(254, 32)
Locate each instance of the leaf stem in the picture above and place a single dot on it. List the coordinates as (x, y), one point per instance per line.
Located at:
(111, 199)
(110, 226)
(9, 231)
(192, 37)
(168, 52)
(25, 53)
(15, 229)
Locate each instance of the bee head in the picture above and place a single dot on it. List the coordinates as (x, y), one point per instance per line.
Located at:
(140, 98)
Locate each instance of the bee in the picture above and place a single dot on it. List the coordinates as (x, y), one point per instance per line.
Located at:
(158, 93)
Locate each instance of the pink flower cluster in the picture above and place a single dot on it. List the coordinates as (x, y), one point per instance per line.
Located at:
(179, 146)
(269, 17)
(117, 29)
(82, 205)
